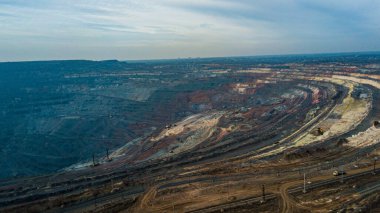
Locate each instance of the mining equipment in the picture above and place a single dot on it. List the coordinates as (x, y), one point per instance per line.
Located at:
(320, 131)
(338, 173)
(376, 124)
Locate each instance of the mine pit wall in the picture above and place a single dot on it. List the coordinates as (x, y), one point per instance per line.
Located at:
(374, 114)
(227, 145)
(337, 100)
(365, 124)
(234, 147)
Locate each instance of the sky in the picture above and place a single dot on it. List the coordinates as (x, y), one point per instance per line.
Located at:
(157, 29)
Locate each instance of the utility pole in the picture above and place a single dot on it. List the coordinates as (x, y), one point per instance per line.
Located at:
(108, 157)
(228, 190)
(304, 182)
(93, 159)
(374, 165)
(263, 193)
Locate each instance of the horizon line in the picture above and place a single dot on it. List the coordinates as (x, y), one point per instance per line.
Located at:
(196, 58)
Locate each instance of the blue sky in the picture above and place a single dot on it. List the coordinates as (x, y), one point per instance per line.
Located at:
(150, 29)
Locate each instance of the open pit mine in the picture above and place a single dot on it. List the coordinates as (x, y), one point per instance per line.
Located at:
(251, 134)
